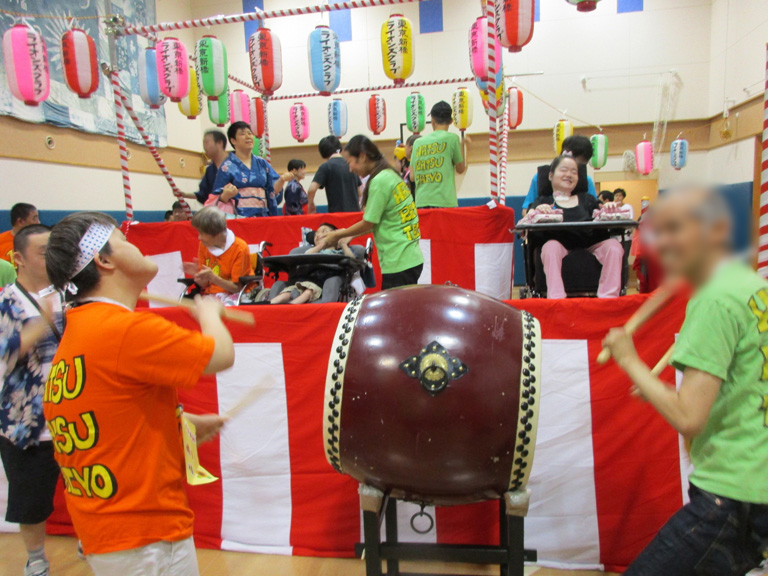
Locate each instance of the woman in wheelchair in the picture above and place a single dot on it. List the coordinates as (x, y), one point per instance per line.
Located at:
(564, 175)
(310, 290)
(222, 258)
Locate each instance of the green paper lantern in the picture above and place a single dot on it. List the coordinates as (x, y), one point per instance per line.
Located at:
(218, 110)
(599, 151)
(415, 113)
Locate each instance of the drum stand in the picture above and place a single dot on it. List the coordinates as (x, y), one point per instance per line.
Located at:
(510, 555)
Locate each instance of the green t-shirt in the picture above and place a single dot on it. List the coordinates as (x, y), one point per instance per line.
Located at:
(725, 334)
(434, 169)
(391, 210)
(7, 273)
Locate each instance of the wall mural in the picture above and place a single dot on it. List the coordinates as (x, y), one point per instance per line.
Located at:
(52, 18)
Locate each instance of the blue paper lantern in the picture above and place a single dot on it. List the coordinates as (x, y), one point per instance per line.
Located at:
(149, 83)
(324, 60)
(337, 118)
(678, 154)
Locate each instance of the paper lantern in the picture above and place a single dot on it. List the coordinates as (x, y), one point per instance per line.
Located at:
(514, 23)
(212, 68)
(258, 116)
(337, 118)
(415, 112)
(80, 62)
(324, 60)
(397, 48)
(478, 49)
(563, 129)
(218, 110)
(678, 154)
(266, 61)
(149, 83)
(515, 103)
(377, 114)
(462, 108)
(239, 107)
(599, 150)
(26, 64)
(584, 5)
(172, 68)
(501, 94)
(192, 103)
(299, 122)
(644, 157)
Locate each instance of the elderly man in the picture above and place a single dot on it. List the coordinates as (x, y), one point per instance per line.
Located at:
(722, 403)
(30, 330)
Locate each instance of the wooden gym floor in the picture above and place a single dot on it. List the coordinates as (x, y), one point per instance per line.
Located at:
(62, 553)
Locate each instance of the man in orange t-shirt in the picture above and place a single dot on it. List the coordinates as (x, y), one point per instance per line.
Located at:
(21, 215)
(111, 404)
(222, 258)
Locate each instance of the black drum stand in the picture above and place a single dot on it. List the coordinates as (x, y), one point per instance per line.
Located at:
(510, 554)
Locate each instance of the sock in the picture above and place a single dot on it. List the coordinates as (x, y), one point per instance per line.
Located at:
(38, 554)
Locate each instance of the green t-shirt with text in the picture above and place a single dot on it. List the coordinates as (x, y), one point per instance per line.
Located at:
(433, 163)
(391, 210)
(725, 334)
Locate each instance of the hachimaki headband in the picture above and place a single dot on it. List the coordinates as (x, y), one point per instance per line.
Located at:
(92, 242)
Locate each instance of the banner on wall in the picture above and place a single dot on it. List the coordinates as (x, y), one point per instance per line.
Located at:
(62, 107)
(470, 247)
(607, 473)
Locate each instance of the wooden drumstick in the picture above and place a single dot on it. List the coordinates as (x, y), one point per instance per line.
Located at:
(645, 312)
(239, 316)
(664, 362)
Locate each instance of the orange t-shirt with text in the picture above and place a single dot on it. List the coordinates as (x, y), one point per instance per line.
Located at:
(233, 263)
(6, 246)
(111, 406)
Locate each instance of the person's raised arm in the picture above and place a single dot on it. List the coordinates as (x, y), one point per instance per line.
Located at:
(207, 312)
(462, 166)
(344, 245)
(360, 228)
(313, 188)
(687, 410)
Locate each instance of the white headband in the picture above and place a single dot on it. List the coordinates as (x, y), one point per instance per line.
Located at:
(92, 242)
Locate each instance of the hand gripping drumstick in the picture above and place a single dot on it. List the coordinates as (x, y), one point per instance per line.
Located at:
(647, 310)
(239, 316)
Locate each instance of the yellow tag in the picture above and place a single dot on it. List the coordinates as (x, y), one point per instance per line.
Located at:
(196, 474)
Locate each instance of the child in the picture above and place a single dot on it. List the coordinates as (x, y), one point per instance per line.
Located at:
(295, 195)
(111, 402)
(310, 290)
(222, 258)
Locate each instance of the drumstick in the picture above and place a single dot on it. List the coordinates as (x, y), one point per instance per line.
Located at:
(250, 398)
(239, 316)
(664, 362)
(645, 312)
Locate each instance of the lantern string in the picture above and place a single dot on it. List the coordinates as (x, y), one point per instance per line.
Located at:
(561, 111)
(23, 15)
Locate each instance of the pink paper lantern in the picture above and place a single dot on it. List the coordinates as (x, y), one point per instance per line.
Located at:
(26, 64)
(478, 49)
(239, 107)
(515, 99)
(266, 61)
(299, 122)
(258, 116)
(377, 114)
(644, 157)
(514, 23)
(80, 61)
(172, 68)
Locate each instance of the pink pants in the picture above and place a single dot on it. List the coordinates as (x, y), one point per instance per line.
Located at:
(609, 253)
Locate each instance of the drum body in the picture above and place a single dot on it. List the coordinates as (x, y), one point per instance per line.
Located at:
(432, 395)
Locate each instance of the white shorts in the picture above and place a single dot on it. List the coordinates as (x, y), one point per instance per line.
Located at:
(157, 559)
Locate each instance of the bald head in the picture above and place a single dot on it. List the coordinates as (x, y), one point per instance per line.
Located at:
(692, 230)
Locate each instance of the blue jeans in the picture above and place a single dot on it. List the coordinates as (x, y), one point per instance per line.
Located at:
(710, 536)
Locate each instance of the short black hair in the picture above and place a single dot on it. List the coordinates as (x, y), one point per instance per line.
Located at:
(329, 146)
(557, 161)
(64, 248)
(296, 164)
(331, 226)
(21, 211)
(234, 128)
(218, 137)
(579, 147)
(21, 239)
(442, 113)
(168, 214)
(620, 191)
(606, 196)
(177, 206)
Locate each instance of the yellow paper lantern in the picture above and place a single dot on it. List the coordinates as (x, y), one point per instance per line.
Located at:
(563, 129)
(462, 108)
(191, 105)
(397, 48)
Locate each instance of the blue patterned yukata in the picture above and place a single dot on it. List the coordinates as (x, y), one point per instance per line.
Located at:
(256, 186)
